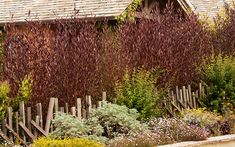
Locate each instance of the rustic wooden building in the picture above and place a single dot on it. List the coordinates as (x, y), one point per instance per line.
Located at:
(44, 10)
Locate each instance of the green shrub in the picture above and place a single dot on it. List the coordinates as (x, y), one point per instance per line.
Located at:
(138, 91)
(116, 120)
(219, 79)
(24, 94)
(4, 91)
(78, 142)
(204, 119)
(25, 89)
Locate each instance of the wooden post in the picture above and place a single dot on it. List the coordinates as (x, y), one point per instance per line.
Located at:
(184, 97)
(39, 113)
(187, 98)
(22, 118)
(49, 115)
(73, 111)
(203, 91)
(17, 122)
(177, 95)
(79, 108)
(194, 101)
(190, 91)
(181, 99)
(62, 109)
(190, 94)
(89, 105)
(84, 113)
(56, 105)
(200, 90)
(66, 108)
(197, 97)
(37, 121)
(29, 118)
(99, 104)
(104, 96)
(10, 121)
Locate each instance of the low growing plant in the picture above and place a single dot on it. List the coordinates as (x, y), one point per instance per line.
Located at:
(205, 119)
(77, 142)
(147, 139)
(228, 123)
(138, 91)
(177, 129)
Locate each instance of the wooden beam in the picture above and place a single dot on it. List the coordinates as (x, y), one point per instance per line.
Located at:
(27, 131)
(4, 136)
(15, 134)
(38, 127)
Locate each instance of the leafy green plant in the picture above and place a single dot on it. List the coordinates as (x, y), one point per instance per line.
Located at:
(117, 120)
(4, 91)
(219, 79)
(138, 91)
(25, 89)
(24, 92)
(78, 142)
(129, 13)
(204, 119)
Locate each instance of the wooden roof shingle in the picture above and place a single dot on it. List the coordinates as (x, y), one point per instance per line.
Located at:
(208, 8)
(21, 10)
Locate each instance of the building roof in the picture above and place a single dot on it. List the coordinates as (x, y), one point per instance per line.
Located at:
(208, 8)
(21, 10)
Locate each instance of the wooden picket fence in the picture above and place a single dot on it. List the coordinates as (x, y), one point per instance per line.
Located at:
(25, 128)
(184, 98)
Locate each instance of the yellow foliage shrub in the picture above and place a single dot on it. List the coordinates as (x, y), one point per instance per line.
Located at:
(78, 142)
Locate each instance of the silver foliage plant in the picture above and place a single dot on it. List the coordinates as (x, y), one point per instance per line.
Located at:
(106, 122)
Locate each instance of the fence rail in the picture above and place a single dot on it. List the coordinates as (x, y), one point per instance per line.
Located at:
(22, 126)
